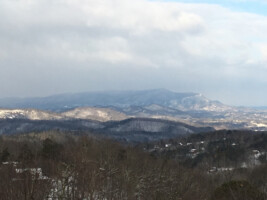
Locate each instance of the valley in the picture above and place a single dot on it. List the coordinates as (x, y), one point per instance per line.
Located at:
(189, 108)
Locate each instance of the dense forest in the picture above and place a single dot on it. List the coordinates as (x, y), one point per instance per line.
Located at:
(57, 165)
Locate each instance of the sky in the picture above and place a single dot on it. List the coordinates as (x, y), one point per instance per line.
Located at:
(254, 6)
(217, 48)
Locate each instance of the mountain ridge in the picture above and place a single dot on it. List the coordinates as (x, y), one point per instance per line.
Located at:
(121, 99)
(190, 108)
(89, 113)
(130, 130)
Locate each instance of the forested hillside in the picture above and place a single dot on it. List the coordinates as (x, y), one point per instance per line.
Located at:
(56, 165)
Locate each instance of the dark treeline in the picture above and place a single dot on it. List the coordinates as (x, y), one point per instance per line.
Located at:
(57, 166)
(220, 148)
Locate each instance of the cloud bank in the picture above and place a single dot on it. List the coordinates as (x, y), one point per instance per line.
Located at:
(55, 46)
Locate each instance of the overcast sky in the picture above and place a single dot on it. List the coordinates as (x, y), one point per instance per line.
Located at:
(217, 48)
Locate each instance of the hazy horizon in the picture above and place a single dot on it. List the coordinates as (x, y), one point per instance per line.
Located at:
(216, 48)
(132, 90)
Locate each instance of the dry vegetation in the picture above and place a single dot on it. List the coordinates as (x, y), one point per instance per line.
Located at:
(80, 167)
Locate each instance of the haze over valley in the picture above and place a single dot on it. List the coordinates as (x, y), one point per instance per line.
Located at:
(189, 108)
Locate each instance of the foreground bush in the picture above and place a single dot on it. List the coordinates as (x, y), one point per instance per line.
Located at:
(237, 190)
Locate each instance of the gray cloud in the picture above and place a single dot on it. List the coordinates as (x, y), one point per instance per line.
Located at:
(55, 46)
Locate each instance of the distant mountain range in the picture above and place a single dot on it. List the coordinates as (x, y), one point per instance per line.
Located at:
(120, 99)
(129, 130)
(88, 113)
(189, 108)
